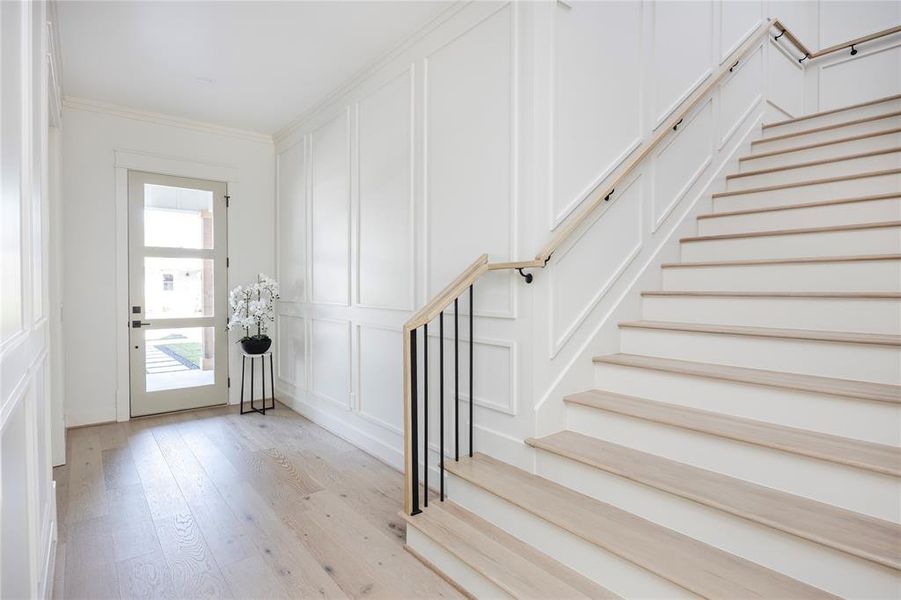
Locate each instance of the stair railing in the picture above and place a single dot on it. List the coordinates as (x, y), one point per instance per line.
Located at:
(465, 282)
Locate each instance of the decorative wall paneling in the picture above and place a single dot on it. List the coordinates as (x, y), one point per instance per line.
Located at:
(482, 135)
(27, 502)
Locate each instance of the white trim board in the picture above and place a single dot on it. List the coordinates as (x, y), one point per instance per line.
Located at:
(125, 160)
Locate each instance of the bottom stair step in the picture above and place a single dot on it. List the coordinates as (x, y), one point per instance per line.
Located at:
(692, 565)
(513, 566)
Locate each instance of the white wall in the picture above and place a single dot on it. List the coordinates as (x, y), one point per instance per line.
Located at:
(27, 505)
(93, 137)
(482, 135)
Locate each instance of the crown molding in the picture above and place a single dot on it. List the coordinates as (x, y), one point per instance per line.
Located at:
(369, 70)
(85, 104)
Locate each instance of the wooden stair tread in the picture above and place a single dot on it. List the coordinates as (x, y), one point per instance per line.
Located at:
(830, 127)
(832, 111)
(695, 566)
(850, 138)
(812, 295)
(509, 563)
(794, 184)
(861, 390)
(798, 231)
(845, 337)
(855, 453)
(754, 211)
(782, 261)
(860, 535)
(814, 163)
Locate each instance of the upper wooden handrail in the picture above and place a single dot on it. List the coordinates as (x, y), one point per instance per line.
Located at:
(602, 194)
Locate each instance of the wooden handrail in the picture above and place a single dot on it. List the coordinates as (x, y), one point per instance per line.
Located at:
(603, 194)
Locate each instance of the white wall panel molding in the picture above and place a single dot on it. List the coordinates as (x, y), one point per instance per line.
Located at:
(682, 60)
(330, 208)
(379, 391)
(496, 386)
(596, 116)
(681, 161)
(785, 81)
(386, 195)
(872, 73)
(737, 21)
(330, 360)
(291, 220)
(739, 94)
(291, 341)
(470, 87)
(604, 249)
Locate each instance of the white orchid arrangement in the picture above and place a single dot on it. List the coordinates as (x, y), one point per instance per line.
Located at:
(253, 306)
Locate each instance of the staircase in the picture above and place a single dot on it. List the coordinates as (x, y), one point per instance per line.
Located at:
(745, 441)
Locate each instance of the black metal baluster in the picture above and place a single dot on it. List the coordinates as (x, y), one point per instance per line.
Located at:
(251, 385)
(472, 316)
(441, 397)
(425, 414)
(456, 380)
(414, 426)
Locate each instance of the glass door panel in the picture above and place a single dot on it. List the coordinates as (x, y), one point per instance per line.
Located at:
(177, 293)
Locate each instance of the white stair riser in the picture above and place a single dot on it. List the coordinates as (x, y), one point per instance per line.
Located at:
(851, 213)
(864, 276)
(822, 192)
(771, 145)
(870, 315)
(853, 242)
(867, 420)
(816, 479)
(838, 149)
(452, 567)
(812, 563)
(835, 118)
(605, 568)
(860, 362)
(880, 162)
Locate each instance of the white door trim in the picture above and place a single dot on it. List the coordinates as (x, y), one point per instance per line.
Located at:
(136, 160)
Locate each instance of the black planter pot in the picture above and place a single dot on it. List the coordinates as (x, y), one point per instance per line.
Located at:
(256, 345)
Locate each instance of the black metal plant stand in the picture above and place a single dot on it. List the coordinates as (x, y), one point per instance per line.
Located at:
(262, 357)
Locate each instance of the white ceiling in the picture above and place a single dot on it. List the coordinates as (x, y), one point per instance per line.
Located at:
(249, 65)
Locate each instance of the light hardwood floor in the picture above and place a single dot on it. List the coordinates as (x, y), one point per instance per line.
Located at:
(215, 504)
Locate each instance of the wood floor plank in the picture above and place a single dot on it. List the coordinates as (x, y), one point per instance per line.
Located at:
(163, 494)
(90, 561)
(132, 527)
(145, 576)
(118, 467)
(195, 572)
(86, 487)
(252, 577)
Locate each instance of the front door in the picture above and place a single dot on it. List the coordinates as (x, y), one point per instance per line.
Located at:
(177, 291)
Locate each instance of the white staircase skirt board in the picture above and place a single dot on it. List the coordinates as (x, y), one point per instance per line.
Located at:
(830, 313)
(856, 240)
(877, 160)
(860, 362)
(613, 572)
(879, 209)
(834, 117)
(812, 563)
(820, 480)
(821, 190)
(857, 144)
(799, 276)
(865, 420)
(815, 135)
(451, 567)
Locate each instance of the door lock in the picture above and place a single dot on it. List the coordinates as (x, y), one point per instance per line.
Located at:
(139, 324)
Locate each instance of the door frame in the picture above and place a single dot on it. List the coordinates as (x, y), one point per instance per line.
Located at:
(131, 160)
